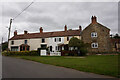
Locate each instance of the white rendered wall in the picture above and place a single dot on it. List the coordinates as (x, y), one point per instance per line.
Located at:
(34, 43)
(51, 42)
(17, 43)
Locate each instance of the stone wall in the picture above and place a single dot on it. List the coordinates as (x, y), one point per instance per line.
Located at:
(102, 38)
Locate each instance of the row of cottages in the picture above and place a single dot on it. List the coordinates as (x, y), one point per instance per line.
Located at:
(50, 40)
(95, 34)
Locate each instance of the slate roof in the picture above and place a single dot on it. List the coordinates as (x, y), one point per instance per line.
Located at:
(47, 34)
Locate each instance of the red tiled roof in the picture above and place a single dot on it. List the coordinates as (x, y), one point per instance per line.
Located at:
(115, 40)
(47, 34)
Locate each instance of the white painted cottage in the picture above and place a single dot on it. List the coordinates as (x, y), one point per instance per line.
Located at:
(51, 40)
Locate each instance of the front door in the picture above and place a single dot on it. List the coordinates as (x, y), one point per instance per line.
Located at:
(51, 48)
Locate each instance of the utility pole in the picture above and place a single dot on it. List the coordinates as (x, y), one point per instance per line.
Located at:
(9, 32)
(1, 44)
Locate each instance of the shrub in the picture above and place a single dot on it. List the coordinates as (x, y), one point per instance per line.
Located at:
(20, 53)
(83, 51)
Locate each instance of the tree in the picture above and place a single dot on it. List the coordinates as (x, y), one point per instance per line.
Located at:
(116, 36)
(4, 46)
(81, 46)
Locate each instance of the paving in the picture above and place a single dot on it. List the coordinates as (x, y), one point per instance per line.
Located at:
(20, 68)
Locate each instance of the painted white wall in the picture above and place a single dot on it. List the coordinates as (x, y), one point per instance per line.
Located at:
(51, 42)
(33, 43)
(17, 43)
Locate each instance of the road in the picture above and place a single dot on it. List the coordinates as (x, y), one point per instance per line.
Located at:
(0, 65)
(19, 68)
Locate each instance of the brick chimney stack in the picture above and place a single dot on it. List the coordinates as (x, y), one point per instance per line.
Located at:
(80, 28)
(65, 27)
(15, 32)
(41, 30)
(25, 32)
(94, 19)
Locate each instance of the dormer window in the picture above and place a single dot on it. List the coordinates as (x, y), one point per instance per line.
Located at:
(93, 34)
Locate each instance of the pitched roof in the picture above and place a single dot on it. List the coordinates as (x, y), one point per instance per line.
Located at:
(47, 34)
(114, 40)
(96, 24)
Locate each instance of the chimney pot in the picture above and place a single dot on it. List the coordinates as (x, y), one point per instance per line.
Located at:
(25, 32)
(94, 19)
(41, 30)
(80, 28)
(65, 27)
(15, 32)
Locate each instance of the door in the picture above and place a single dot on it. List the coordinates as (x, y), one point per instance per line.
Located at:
(51, 48)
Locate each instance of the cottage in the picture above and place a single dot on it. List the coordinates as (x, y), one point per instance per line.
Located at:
(97, 35)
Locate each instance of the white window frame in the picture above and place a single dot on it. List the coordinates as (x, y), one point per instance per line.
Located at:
(94, 34)
(95, 45)
(59, 39)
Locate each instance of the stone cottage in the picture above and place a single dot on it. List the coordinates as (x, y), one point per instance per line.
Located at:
(97, 36)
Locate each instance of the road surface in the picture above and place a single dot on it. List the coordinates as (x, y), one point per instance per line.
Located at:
(19, 68)
(0, 65)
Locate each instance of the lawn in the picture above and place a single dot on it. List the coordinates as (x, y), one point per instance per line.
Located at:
(100, 64)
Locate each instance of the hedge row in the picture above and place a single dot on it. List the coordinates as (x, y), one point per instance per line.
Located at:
(20, 53)
(74, 53)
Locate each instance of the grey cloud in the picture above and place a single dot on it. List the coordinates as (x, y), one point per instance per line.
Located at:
(53, 16)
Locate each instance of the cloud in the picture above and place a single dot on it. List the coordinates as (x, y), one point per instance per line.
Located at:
(52, 16)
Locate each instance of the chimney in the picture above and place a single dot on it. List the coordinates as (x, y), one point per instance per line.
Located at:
(25, 32)
(94, 19)
(41, 30)
(15, 32)
(65, 27)
(80, 28)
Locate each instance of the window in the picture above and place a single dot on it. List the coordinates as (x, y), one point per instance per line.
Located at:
(94, 45)
(12, 42)
(55, 39)
(50, 48)
(25, 42)
(44, 46)
(59, 39)
(43, 40)
(57, 48)
(93, 34)
(14, 48)
(67, 38)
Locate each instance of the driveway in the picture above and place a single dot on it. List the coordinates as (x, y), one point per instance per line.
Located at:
(19, 68)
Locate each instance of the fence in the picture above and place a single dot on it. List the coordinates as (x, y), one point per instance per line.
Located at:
(55, 53)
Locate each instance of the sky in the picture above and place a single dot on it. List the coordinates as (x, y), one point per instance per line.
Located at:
(52, 16)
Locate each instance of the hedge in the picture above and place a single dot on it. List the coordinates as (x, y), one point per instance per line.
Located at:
(20, 53)
(73, 53)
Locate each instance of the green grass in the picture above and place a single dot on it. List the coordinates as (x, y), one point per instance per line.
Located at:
(100, 64)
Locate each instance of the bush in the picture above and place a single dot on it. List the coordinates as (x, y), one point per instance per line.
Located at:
(20, 53)
(83, 51)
